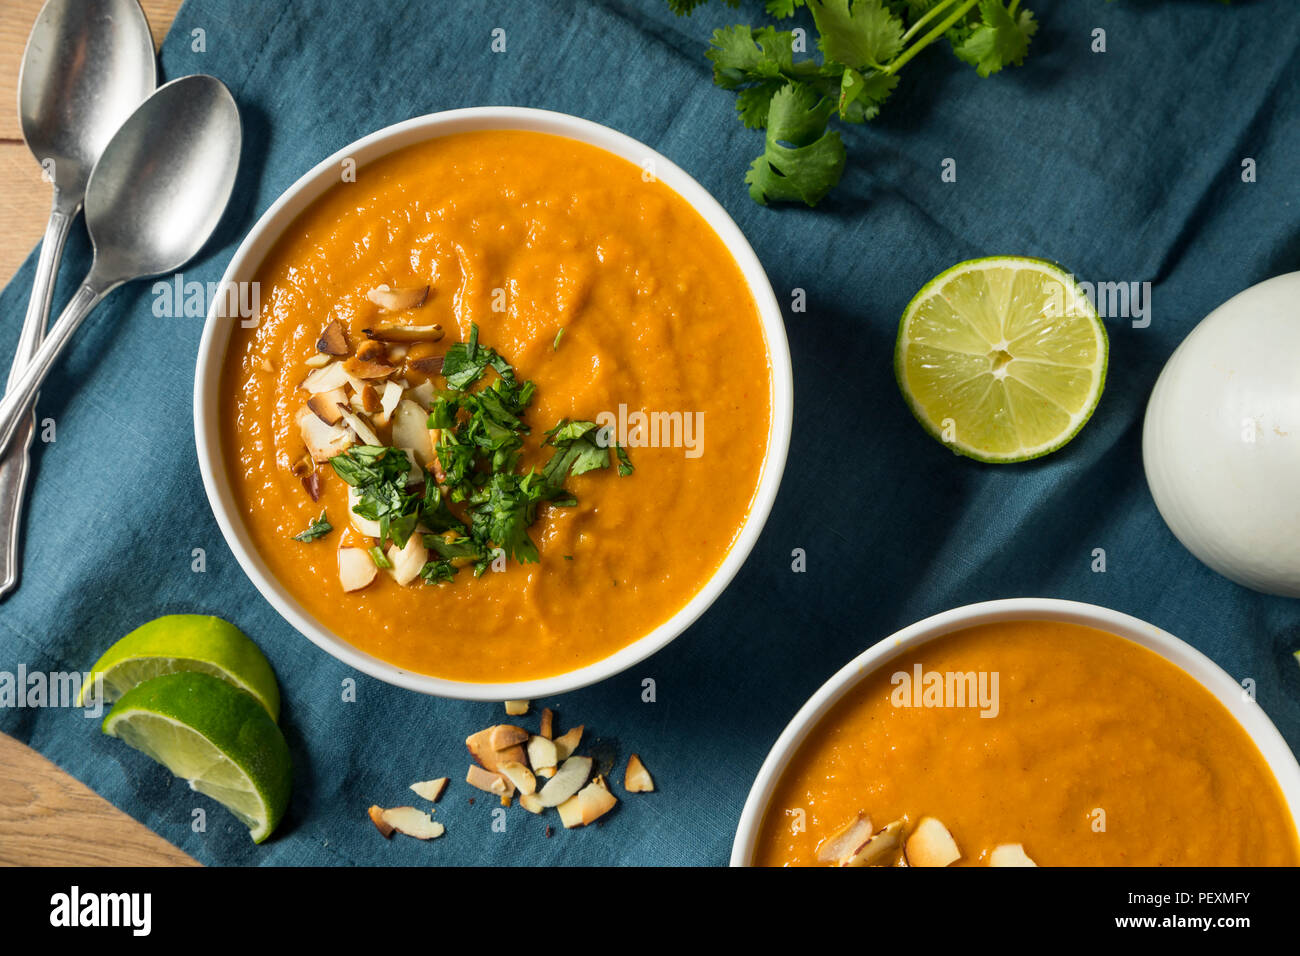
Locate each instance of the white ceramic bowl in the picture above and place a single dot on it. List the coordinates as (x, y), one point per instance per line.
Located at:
(1256, 723)
(249, 256)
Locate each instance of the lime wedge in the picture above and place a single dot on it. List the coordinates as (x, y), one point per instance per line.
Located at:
(186, 642)
(216, 737)
(1002, 359)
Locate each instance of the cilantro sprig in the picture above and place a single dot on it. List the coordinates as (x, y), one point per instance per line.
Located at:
(864, 44)
(479, 452)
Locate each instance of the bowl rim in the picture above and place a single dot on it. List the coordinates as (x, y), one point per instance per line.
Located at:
(271, 225)
(1266, 737)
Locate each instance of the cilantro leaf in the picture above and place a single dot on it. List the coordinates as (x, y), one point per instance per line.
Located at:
(782, 9)
(752, 102)
(502, 512)
(624, 462)
(863, 34)
(802, 160)
(1000, 39)
(861, 95)
(578, 450)
(436, 571)
(317, 529)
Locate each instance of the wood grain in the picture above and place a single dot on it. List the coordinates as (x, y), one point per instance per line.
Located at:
(47, 818)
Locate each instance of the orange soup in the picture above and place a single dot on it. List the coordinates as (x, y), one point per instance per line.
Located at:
(599, 285)
(1094, 752)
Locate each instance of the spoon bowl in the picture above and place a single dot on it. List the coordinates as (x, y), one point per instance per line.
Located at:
(164, 179)
(88, 63)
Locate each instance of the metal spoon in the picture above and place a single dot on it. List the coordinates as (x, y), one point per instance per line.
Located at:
(154, 198)
(87, 65)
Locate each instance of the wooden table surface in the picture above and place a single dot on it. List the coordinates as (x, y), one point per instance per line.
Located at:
(46, 817)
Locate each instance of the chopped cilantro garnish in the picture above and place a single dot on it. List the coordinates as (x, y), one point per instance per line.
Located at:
(558, 335)
(381, 560)
(435, 571)
(317, 529)
(379, 474)
(479, 450)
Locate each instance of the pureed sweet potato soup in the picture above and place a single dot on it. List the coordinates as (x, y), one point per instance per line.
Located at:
(457, 301)
(1094, 751)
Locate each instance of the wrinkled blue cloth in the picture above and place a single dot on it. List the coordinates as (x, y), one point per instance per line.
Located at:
(1125, 165)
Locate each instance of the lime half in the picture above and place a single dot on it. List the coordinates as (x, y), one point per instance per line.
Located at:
(216, 737)
(186, 642)
(1002, 359)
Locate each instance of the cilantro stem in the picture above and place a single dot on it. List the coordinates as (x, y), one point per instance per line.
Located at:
(902, 59)
(930, 14)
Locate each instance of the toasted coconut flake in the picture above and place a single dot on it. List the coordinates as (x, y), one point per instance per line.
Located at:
(637, 779)
(480, 746)
(317, 361)
(410, 430)
(565, 745)
(382, 825)
(1010, 854)
(431, 790)
(333, 339)
(422, 394)
(326, 406)
(373, 351)
(880, 849)
(366, 370)
(596, 801)
(571, 812)
(531, 802)
(847, 840)
(406, 562)
(406, 333)
(542, 756)
(325, 379)
(370, 399)
(388, 402)
(358, 425)
(486, 780)
(588, 805)
(505, 736)
(356, 570)
(323, 441)
(568, 780)
(516, 708)
(548, 723)
(430, 365)
(396, 300)
(414, 823)
(931, 844)
(520, 776)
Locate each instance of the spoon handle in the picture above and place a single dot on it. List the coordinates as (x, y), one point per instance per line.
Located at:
(15, 465)
(18, 399)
